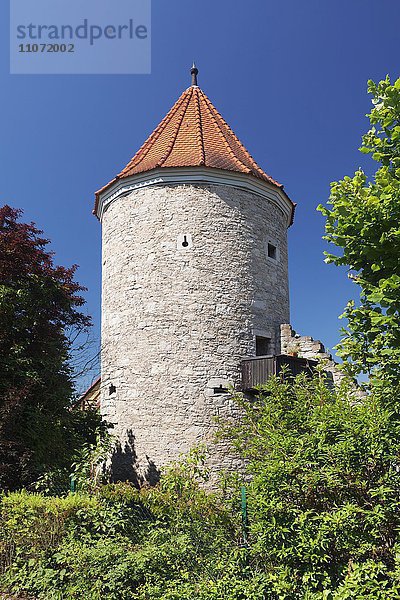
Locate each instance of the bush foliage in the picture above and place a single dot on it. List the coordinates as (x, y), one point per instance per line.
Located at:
(323, 503)
(172, 541)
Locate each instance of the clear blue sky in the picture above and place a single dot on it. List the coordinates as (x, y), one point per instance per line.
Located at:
(288, 76)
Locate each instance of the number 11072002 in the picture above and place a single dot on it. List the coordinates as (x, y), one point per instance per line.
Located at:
(37, 48)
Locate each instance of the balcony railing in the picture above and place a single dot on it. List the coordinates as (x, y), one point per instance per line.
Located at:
(256, 371)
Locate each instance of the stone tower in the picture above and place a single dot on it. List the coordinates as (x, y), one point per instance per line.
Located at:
(195, 279)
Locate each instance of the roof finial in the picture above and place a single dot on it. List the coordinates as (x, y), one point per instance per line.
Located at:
(194, 71)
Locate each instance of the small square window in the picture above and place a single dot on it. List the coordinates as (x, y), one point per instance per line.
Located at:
(271, 251)
(263, 346)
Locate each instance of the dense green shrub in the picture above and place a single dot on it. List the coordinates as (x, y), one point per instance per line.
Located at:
(172, 541)
(324, 498)
(325, 490)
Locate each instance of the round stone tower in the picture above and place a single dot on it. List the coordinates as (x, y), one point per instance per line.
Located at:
(195, 279)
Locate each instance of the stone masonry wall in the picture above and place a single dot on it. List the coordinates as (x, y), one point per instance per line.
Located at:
(307, 347)
(187, 285)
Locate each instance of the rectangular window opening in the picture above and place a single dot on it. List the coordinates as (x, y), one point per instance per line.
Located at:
(271, 251)
(263, 346)
(220, 390)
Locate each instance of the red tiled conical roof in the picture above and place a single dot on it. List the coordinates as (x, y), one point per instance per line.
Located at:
(193, 133)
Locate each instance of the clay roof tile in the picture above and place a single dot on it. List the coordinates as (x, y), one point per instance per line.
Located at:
(193, 133)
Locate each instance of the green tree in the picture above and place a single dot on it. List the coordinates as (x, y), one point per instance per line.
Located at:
(39, 304)
(324, 492)
(363, 222)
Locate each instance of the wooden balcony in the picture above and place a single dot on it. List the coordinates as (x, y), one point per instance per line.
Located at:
(256, 371)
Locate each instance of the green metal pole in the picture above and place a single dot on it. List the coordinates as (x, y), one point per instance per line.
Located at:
(72, 484)
(245, 522)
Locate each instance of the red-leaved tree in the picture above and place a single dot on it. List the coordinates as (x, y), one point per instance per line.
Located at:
(39, 306)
